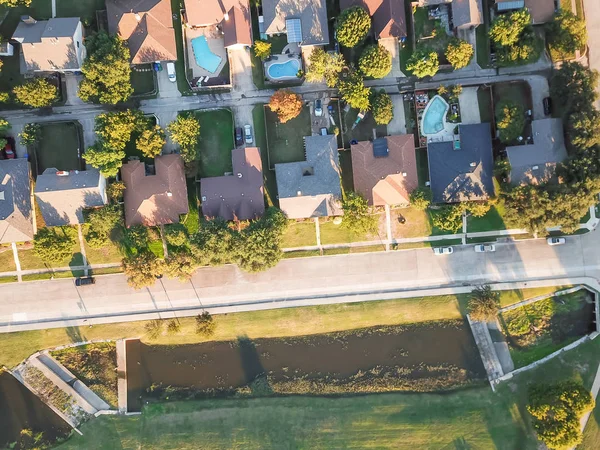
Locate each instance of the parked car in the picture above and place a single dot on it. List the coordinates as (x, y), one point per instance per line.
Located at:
(547, 106)
(318, 108)
(8, 152)
(556, 240)
(239, 136)
(85, 281)
(171, 72)
(485, 248)
(443, 250)
(248, 134)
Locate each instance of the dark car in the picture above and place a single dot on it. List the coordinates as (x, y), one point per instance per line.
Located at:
(547, 106)
(85, 281)
(239, 136)
(8, 152)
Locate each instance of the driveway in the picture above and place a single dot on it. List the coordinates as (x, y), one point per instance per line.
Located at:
(316, 123)
(166, 88)
(393, 47)
(72, 88)
(469, 106)
(592, 20)
(398, 123)
(240, 64)
(539, 90)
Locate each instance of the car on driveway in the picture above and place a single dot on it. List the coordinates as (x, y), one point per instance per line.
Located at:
(443, 251)
(248, 134)
(85, 281)
(547, 106)
(318, 108)
(8, 152)
(239, 136)
(171, 72)
(485, 248)
(556, 240)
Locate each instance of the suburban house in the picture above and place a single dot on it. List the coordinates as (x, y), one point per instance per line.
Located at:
(54, 45)
(146, 25)
(232, 17)
(303, 21)
(465, 14)
(388, 17)
(16, 214)
(154, 198)
(239, 196)
(535, 162)
(385, 170)
(62, 196)
(462, 169)
(311, 188)
(541, 11)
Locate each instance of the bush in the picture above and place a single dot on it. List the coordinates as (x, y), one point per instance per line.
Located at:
(262, 49)
(382, 108)
(53, 244)
(352, 26)
(136, 238)
(510, 120)
(448, 218)
(176, 235)
(421, 198)
(375, 61)
(173, 327)
(423, 63)
(484, 304)
(205, 325)
(30, 134)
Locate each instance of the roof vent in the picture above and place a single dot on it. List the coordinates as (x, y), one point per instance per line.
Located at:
(404, 174)
(2, 195)
(473, 164)
(535, 167)
(138, 17)
(204, 198)
(299, 193)
(169, 194)
(239, 175)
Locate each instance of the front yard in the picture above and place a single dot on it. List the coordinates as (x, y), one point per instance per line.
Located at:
(216, 142)
(492, 221)
(300, 234)
(59, 146)
(285, 141)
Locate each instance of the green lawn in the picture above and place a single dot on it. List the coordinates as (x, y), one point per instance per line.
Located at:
(364, 129)
(216, 142)
(286, 140)
(85, 9)
(143, 82)
(260, 136)
(7, 260)
(422, 166)
(435, 231)
(108, 253)
(58, 145)
(299, 234)
(518, 92)
(191, 221)
(406, 47)
(485, 104)
(337, 234)
(482, 38)
(416, 223)
(490, 222)
(182, 83)
(346, 169)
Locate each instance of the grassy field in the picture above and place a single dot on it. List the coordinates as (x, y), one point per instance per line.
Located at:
(260, 136)
(216, 142)
(57, 147)
(299, 234)
(286, 140)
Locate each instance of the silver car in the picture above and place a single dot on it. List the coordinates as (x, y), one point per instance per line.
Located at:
(485, 248)
(248, 134)
(443, 251)
(556, 241)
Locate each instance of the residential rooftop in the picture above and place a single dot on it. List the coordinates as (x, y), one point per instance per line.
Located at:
(16, 214)
(388, 16)
(312, 15)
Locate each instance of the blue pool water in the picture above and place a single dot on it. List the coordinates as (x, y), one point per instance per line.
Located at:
(433, 120)
(288, 69)
(204, 57)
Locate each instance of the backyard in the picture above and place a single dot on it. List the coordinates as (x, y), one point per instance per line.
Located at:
(216, 142)
(59, 146)
(142, 81)
(260, 136)
(285, 141)
(430, 33)
(363, 130)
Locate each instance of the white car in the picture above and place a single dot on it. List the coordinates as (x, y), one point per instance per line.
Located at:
(171, 72)
(443, 250)
(484, 248)
(556, 241)
(248, 134)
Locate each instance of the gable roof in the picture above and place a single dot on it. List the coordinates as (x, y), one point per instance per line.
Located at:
(546, 151)
(154, 199)
(233, 15)
(62, 199)
(541, 11)
(466, 173)
(311, 188)
(16, 218)
(381, 180)
(48, 45)
(312, 15)
(146, 25)
(466, 12)
(389, 16)
(240, 195)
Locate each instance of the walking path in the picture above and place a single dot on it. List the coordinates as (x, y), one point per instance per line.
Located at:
(82, 248)
(595, 390)
(17, 262)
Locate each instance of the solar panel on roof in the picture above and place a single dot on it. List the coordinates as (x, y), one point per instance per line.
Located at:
(380, 148)
(294, 30)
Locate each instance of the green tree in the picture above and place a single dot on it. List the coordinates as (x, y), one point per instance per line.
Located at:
(529, 207)
(176, 235)
(135, 239)
(180, 265)
(448, 218)
(357, 214)
(36, 93)
(101, 223)
(286, 104)
(459, 53)
(4, 96)
(355, 93)
(567, 33)
(115, 191)
(53, 245)
(30, 134)
(185, 131)
(13, 4)
(151, 141)
(106, 71)
(107, 160)
(484, 304)
(423, 63)
(115, 128)
(510, 120)
(421, 198)
(142, 269)
(259, 246)
(583, 127)
(375, 61)
(262, 49)
(205, 324)
(325, 66)
(214, 244)
(507, 28)
(4, 125)
(455, 92)
(382, 108)
(352, 26)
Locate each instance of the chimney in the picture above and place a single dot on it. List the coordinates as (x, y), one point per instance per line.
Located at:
(28, 20)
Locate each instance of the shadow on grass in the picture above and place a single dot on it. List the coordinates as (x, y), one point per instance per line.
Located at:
(254, 372)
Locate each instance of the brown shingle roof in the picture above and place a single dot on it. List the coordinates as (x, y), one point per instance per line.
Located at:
(146, 25)
(155, 199)
(541, 10)
(237, 29)
(389, 16)
(236, 197)
(381, 180)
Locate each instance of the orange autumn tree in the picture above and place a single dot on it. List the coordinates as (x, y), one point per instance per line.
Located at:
(286, 104)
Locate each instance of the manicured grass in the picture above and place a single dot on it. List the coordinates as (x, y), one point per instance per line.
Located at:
(143, 82)
(108, 253)
(156, 247)
(422, 166)
(191, 221)
(299, 234)
(58, 145)
(518, 92)
(485, 104)
(286, 140)
(30, 261)
(416, 225)
(435, 231)
(346, 169)
(352, 250)
(7, 260)
(364, 129)
(260, 136)
(514, 296)
(337, 234)
(445, 242)
(490, 222)
(424, 32)
(84, 9)
(216, 142)
(298, 254)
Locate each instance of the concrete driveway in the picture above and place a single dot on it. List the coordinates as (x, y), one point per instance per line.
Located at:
(72, 88)
(398, 123)
(166, 88)
(240, 64)
(469, 106)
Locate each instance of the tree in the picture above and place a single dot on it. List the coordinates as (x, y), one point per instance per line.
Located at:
(115, 191)
(423, 63)
(448, 218)
(107, 160)
(583, 128)
(421, 198)
(556, 410)
(4, 125)
(151, 142)
(176, 235)
(375, 61)
(382, 108)
(484, 304)
(567, 33)
(4, 96)
(106, 71)
(455, 91)
(135, 238)
(205, 325)
(115, 128)
(459, 53)
(286, 104)
(352, 26)
(507, 28)
(259, 246)
(324, 66)
(214, 244)
(355, 93)
(262, 49)
(510, 120)
(53, 245)
(142, 269)
(357, 214)
(12, 4)
(185, 131)
(180, 265)
(101, 223)
(30, 134)
(36, 93)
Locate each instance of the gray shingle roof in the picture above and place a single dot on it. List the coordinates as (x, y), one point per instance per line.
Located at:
(465, 174)
(312, 15)
(16, 224)
(466, 12)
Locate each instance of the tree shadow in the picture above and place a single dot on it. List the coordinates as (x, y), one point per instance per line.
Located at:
(254, 371)
(74, 334)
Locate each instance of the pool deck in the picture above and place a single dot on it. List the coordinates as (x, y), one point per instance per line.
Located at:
(216, 45)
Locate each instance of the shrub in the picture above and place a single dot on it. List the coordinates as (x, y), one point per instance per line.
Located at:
(448, 218)
(421, 198)
(510, 120)
(484, 304)
(176, 235)
(205, 325)
(357, 214)
(173, 326)
(30, 134)
(262, 49)
(375, 61)
(352, 26)
(53, 244)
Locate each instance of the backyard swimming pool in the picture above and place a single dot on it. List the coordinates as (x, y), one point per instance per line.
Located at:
(434, 116)
(203, 56)
(282, 71)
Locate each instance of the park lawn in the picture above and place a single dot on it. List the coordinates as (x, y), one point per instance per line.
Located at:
(7, 260)
(143, 81)
(490, 222)
(416, 225)
(58, 146)
(285, 141)
(337, 234)
(216, 142)
(299, 234)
